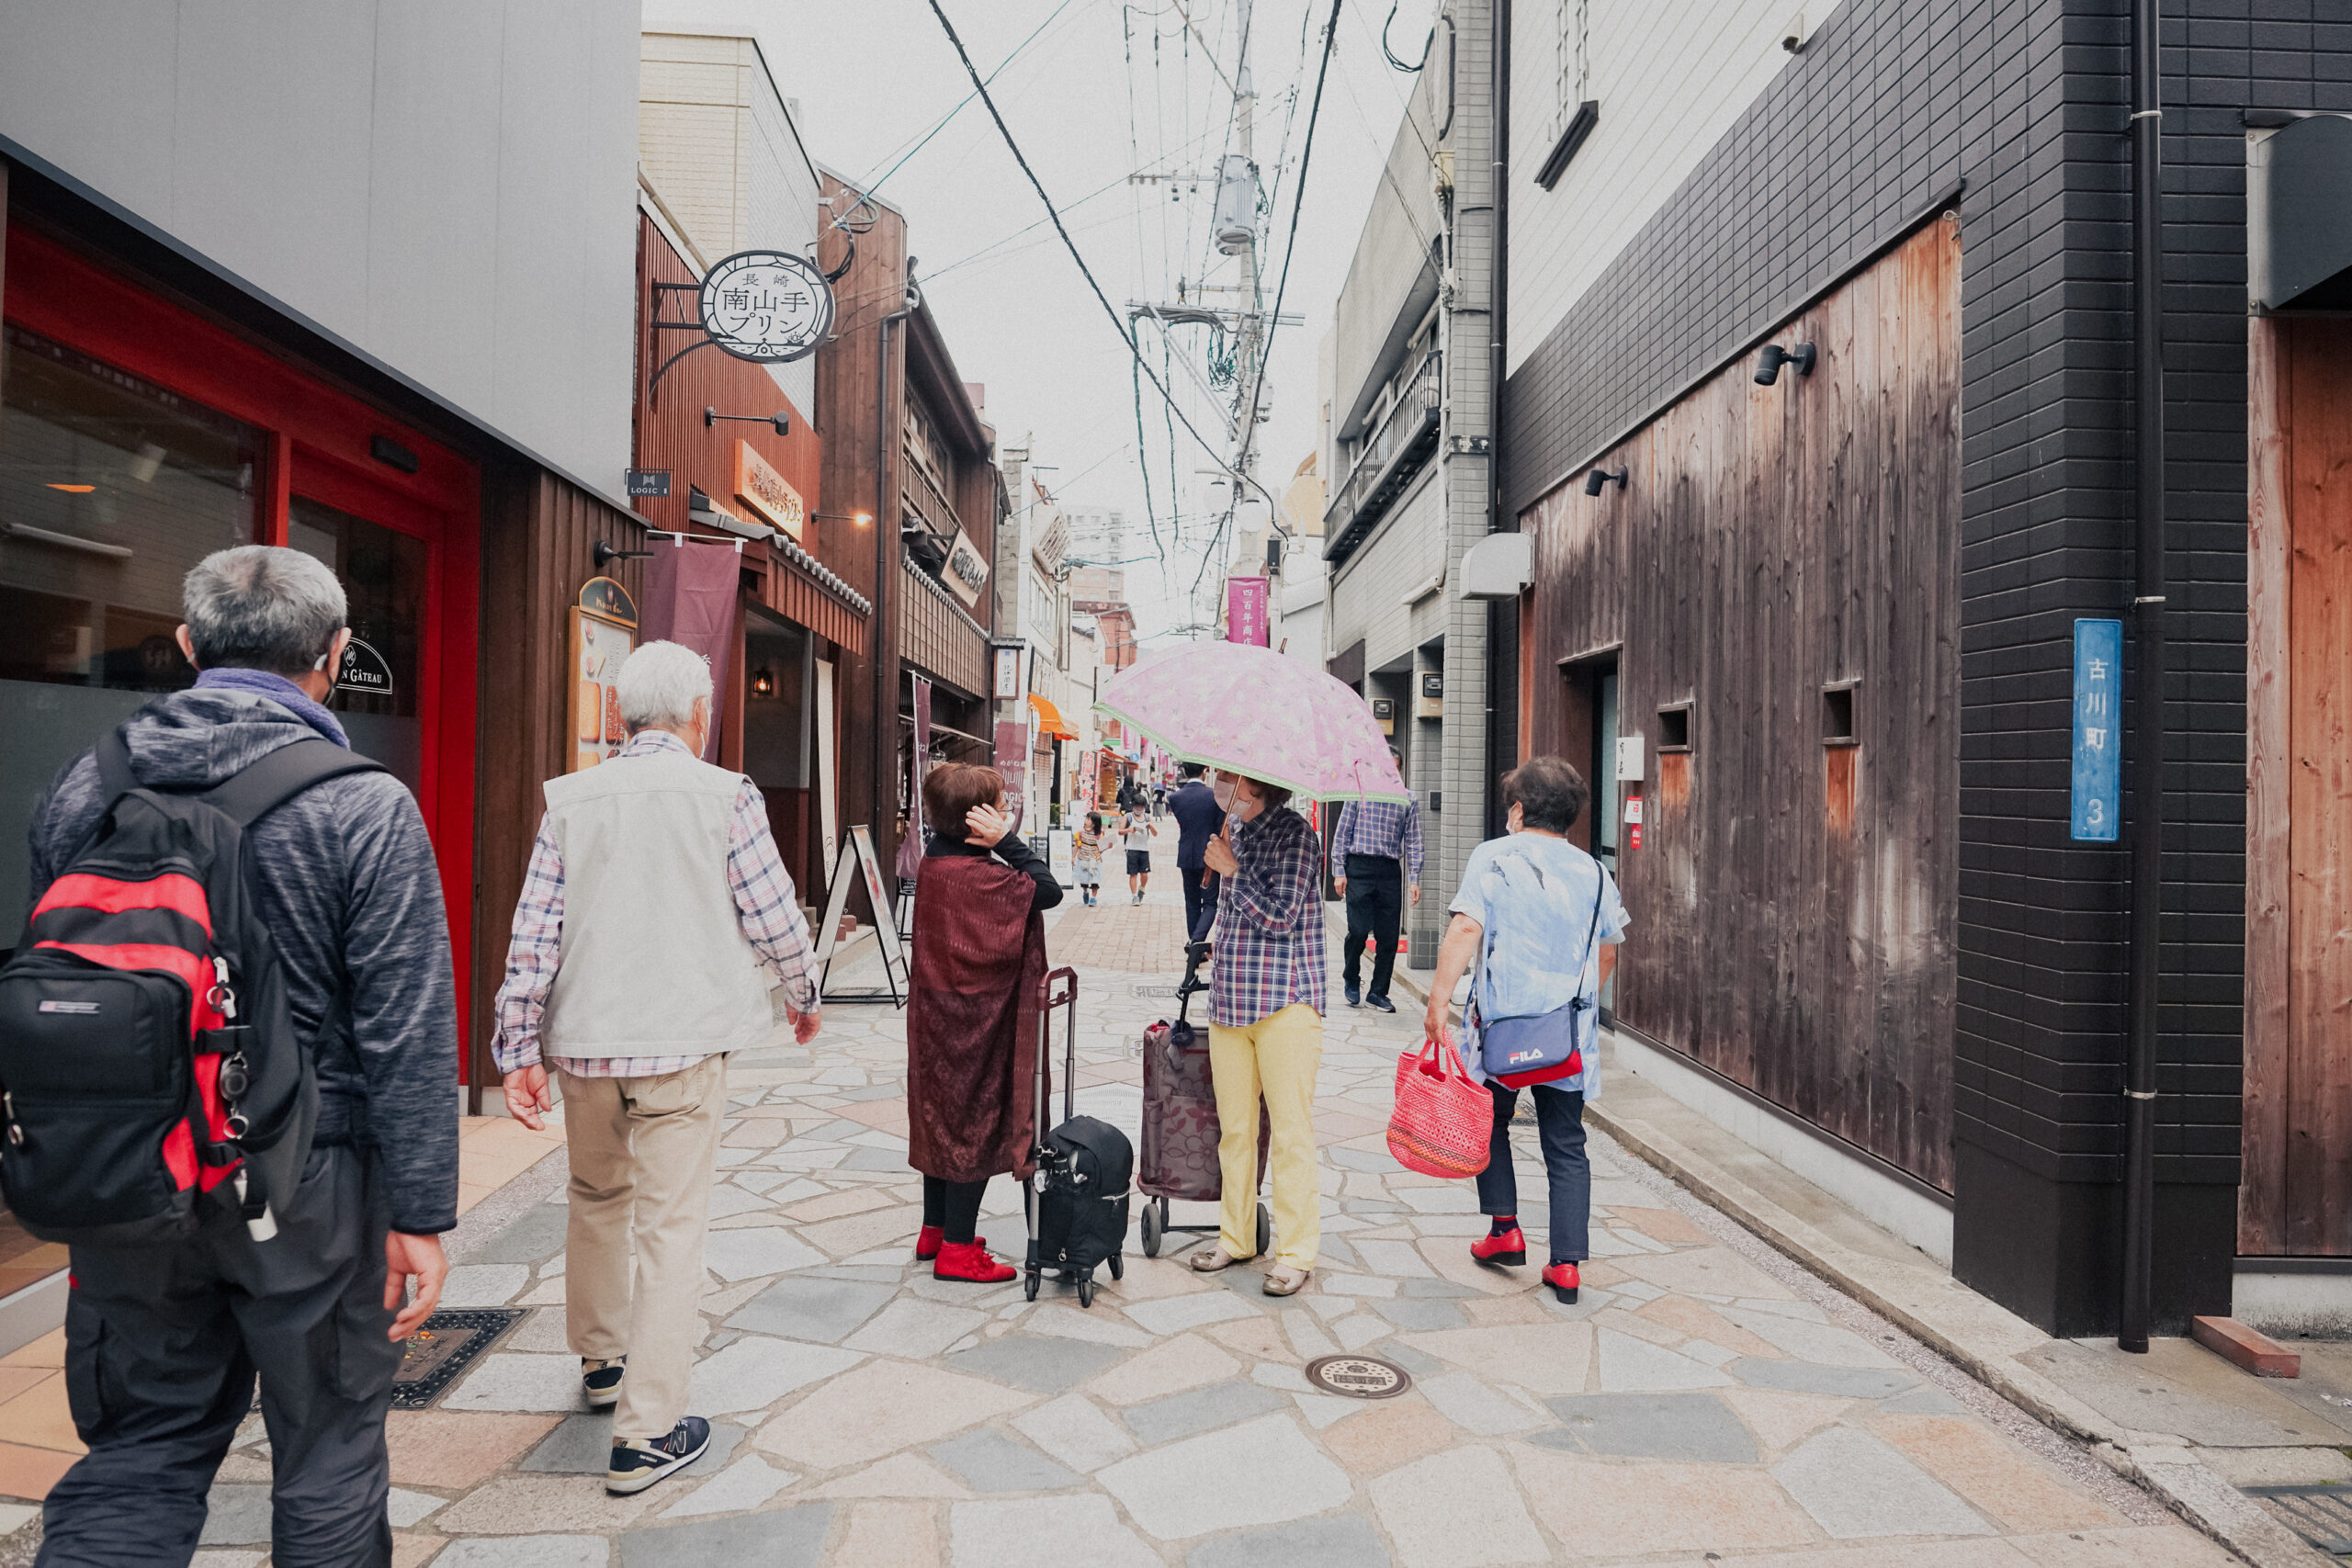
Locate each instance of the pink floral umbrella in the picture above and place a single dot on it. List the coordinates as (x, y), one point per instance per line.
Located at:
(1250, 710)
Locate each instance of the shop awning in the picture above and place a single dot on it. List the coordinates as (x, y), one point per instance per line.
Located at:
(1049, 718)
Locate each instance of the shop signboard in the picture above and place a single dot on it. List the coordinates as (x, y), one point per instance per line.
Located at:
(771, 307)
(966, 571)
(1013, 765)
(1245, 611)
(603, 631)
(650, 482)
(1062, 855)
(868, 866)
(767, 491)
(1007, 684)
(363, 671)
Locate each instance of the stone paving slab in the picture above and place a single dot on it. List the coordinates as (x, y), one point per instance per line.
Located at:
(1701, 1397)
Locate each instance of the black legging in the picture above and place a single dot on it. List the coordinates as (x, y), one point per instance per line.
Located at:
(954, 1206)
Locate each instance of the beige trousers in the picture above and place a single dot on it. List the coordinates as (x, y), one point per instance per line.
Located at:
(642, 1155)
(1275, 1057)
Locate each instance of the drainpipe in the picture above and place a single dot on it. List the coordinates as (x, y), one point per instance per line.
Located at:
(886, 523)
(2148, 679)
(1497, 322)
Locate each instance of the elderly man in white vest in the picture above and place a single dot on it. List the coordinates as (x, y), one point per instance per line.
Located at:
(654, 899)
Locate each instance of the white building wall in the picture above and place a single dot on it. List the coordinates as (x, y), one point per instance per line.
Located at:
(1671, 77)
(447, 187)
(718, 146)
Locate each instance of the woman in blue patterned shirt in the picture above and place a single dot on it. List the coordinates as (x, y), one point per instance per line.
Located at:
(1266, 1024)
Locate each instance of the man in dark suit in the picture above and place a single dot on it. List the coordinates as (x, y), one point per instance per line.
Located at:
(1198, 817)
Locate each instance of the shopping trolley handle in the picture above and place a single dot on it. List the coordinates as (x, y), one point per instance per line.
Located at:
(1060, 987)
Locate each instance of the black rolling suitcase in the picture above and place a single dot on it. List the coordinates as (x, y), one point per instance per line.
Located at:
(1077, 1199)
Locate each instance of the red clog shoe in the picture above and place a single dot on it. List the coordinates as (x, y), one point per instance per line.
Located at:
(1511, 1247)
(1562, 1278)
(929, 1240)
(969, 1260)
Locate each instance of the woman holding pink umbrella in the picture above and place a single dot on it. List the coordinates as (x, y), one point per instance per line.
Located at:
(1274, 729)
(1267, 996)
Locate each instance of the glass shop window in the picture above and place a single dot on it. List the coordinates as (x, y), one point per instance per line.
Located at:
(111, 488)
(385, 576)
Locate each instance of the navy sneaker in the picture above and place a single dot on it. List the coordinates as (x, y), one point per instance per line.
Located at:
(636, 1466)
(601, 1382)
(1355, 996)
(1380, 1004)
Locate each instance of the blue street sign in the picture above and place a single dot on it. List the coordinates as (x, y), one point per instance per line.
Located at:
(2099, 730)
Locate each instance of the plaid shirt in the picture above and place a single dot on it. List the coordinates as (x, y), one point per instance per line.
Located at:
(763, 897)
(1269, 937)
(1379, 828)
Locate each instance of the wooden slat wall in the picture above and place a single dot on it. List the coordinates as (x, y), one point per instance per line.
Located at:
(2262, 1189)
(935, 638)
(537, 537)
(1796, 905)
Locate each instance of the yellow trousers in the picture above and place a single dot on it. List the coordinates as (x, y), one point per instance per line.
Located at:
(1275, 1057)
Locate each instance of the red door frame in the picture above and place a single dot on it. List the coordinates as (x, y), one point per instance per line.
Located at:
(318, 442)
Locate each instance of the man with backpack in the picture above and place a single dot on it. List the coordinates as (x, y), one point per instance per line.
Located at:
(304, 1192)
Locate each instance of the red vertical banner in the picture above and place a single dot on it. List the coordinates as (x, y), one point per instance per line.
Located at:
(1245, 611)
(690, 599)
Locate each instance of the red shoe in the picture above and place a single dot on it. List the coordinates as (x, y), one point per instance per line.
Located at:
(932, 1237)
(1508, 1247)
(1562, 1278)
(970, 1260)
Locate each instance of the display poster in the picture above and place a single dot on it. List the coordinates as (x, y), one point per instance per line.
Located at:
(604, 632)
(1062, 855)
(691, 599)
(827, 801)
(1013, 766)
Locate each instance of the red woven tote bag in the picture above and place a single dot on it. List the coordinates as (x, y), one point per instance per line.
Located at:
(1442, 1122)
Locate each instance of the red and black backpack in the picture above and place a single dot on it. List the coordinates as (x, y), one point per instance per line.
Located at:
(148, 1059)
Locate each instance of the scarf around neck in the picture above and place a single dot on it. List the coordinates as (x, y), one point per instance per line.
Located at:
(279, 690)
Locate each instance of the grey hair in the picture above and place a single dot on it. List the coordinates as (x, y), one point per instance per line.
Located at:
(263, 607)
(659, 683)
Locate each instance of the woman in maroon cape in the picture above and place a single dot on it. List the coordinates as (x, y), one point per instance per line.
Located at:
(980, 959)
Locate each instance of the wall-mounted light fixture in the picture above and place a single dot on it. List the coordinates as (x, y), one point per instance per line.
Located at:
(763, 683)
(862, 519)
(781, 419)
(1596, 478)
(1770, 359)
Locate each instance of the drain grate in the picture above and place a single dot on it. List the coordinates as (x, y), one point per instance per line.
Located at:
(1358, 1377)
(2321, 1515)
(445, 1346)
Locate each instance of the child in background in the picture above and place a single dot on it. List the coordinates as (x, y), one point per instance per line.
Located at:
(1088, 858)
(1140, 831)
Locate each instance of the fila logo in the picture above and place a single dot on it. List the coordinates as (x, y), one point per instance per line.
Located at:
(84, 1009)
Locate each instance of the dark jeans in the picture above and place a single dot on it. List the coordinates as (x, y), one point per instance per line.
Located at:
(1375, 903)
(953, 1206)
(161, 1346)
(1200, 900)
(1559, 1123)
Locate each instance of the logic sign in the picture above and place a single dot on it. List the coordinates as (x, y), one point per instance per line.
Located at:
(768, 306)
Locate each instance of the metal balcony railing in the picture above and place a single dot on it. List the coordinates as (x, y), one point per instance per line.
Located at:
(1392, 455)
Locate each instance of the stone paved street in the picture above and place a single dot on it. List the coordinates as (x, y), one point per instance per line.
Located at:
(1704, 1403)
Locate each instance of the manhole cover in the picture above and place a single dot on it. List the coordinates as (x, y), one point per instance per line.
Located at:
(445, 1346)
(2321, 1515)
(1358, 1377)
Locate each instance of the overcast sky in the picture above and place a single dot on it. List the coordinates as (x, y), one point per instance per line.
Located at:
(1096, 92)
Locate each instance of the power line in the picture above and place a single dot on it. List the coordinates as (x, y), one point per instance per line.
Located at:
(1005, 130)
(1282, 285)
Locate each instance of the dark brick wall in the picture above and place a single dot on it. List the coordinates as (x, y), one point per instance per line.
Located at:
(1893, 102)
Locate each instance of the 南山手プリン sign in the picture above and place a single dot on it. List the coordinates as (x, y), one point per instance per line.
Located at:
(769, 306)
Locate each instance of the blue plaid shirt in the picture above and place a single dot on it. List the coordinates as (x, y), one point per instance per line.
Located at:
(1268, 936)
(1379, 828)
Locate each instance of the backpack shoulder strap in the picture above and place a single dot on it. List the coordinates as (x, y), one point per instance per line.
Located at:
(262, 787)
(115, 777)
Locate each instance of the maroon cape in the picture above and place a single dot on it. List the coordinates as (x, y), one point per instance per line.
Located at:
(973, 988)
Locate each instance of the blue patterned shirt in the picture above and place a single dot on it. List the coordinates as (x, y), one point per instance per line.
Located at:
(1379, 828)
(1268, 936)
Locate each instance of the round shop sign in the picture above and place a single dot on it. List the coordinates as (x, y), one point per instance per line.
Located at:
(1358, 1377)
(769, 306)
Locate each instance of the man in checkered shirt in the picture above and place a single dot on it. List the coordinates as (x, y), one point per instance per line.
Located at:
(1375, 864)
(654, 908)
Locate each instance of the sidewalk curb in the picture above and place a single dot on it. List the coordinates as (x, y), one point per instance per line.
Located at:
(1935, 1312)
(1934, 1309)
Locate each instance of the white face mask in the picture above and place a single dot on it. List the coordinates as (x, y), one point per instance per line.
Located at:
(1223, 789)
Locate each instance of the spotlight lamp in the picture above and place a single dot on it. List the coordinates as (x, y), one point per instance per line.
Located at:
(1596, 478)
(1770, 359)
